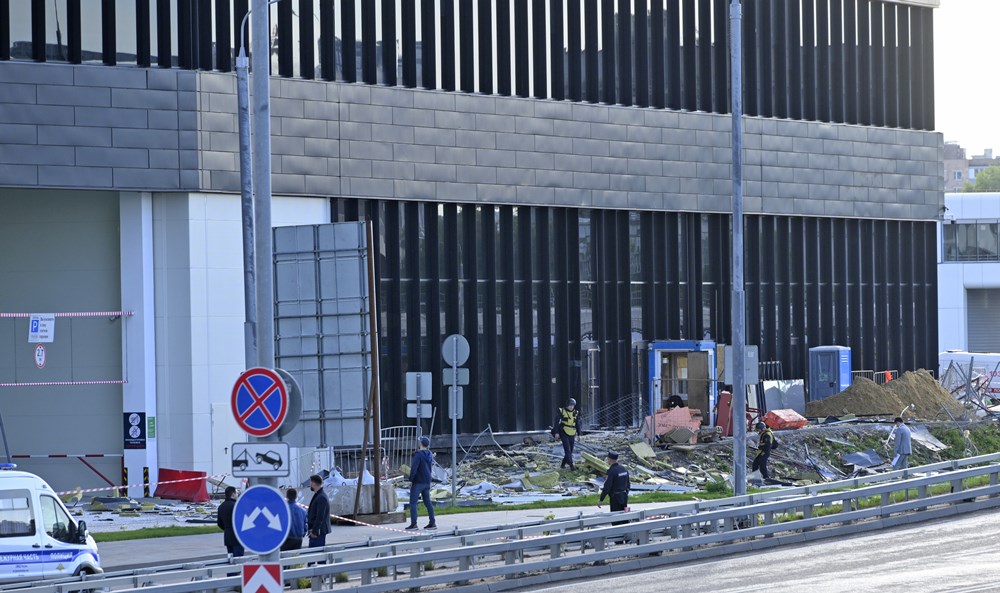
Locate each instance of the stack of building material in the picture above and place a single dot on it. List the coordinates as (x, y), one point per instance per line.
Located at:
(678, 425)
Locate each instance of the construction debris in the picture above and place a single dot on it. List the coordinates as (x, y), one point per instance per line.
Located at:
(784, 419)
(667, 422)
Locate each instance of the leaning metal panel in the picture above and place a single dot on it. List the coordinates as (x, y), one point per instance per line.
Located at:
(322, 337)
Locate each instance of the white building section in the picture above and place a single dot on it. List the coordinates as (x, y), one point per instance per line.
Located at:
(969, 273)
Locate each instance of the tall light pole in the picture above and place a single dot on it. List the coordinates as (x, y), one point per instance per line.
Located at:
(739, 407)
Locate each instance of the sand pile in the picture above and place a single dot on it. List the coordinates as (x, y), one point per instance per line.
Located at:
(866, 398)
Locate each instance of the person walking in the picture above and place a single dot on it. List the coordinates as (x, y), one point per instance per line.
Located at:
(616, 485)
(420, 483)
(318, 517)
(566, 426)
(224, 520)
(764, 445)
(296, 523)
(903, 449)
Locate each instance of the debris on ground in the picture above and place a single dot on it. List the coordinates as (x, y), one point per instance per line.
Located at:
(915, 392)
(784, 419)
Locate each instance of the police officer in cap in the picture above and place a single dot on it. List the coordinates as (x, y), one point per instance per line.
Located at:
(616, 484)
(566, 427)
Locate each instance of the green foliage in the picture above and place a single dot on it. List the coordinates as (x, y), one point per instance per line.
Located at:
(949, 436)
(986, 180)
(340, 577)
(986, 438)
(429, 565)
(382, 571)
(718, 487)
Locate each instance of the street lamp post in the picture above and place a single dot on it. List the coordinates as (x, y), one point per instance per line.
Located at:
(739, 422)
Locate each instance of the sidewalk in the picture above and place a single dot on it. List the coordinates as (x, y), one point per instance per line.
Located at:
(198, 548)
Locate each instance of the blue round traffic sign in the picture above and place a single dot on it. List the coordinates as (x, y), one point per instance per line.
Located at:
(261, 519)
(260, 401)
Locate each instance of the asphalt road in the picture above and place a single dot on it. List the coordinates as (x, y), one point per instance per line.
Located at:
(956, 556)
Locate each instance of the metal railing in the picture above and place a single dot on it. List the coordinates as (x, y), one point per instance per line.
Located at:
(514, 556)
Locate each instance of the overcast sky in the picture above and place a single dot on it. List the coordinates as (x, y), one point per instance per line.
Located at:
(967, 87)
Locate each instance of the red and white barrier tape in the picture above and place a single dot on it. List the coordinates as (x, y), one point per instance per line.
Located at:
(65, 455)
(142, 484)
(71, 314)
(57, 383)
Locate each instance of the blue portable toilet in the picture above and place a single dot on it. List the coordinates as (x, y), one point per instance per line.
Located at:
(829, 371)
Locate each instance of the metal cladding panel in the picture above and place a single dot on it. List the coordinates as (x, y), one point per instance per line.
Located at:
(322, 305)
(984, 320)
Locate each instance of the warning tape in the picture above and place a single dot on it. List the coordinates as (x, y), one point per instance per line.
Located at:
(59, 383)
(142, 485)
(71, 314)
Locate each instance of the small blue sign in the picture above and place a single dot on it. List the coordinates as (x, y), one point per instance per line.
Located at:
(261, 519)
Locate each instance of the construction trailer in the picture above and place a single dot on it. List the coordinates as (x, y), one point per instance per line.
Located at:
(687, 369)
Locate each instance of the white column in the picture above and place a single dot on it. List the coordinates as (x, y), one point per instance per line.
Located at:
(138, 334)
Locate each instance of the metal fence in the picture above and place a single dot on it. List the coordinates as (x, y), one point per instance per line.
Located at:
(879, 377)
(507, 557)
(398, 443)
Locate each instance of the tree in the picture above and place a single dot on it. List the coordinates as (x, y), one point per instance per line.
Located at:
(986, 180)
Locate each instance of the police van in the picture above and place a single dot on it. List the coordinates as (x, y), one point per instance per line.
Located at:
(38, 538)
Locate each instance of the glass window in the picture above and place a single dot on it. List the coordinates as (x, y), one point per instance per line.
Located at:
(986, 241)
(634, 247)
(91, 43)
(16, 518)
(586, 251)
(55, 31)
(20, 31)
(950, 242)
(56, 522)
(125, 32)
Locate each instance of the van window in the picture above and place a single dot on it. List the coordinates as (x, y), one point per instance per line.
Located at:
(15, 514)
(56, 522)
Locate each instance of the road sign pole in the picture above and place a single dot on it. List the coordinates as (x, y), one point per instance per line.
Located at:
(420, 404)
(453, 408)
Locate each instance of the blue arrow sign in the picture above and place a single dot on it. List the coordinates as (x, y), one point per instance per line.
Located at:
(261, 519)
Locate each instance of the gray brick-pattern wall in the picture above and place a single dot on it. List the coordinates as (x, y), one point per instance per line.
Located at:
(98, 127)
(385, 142)
(128, 128)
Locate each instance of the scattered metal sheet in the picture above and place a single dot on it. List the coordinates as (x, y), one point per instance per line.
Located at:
(825, 470)
(785, 395)
(481, 488)
(923, 436)
(869, 458)
(839, 441)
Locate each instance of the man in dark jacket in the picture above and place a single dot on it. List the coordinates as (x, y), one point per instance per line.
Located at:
(318, 517)
(764, 446)
(225, 522)
(616, 484)
(297, 522)
(566, 426)
(420, 483)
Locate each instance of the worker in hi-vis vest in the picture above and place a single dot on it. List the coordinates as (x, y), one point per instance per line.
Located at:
(567, 425)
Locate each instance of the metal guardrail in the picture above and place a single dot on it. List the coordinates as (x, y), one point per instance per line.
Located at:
(519, 555)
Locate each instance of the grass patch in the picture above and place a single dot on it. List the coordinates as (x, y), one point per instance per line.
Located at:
(151, 532)
(444, 508)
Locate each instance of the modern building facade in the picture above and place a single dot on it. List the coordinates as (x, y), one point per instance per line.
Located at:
(549, 178)
(969, 273)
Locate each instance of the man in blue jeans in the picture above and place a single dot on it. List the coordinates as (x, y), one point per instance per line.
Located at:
(420, 483)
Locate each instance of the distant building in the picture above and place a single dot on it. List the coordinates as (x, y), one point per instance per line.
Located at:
(959, 170)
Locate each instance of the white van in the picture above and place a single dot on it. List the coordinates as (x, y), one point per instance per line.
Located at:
(38, 538)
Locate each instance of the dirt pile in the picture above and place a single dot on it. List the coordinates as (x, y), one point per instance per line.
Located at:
(866, 398)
